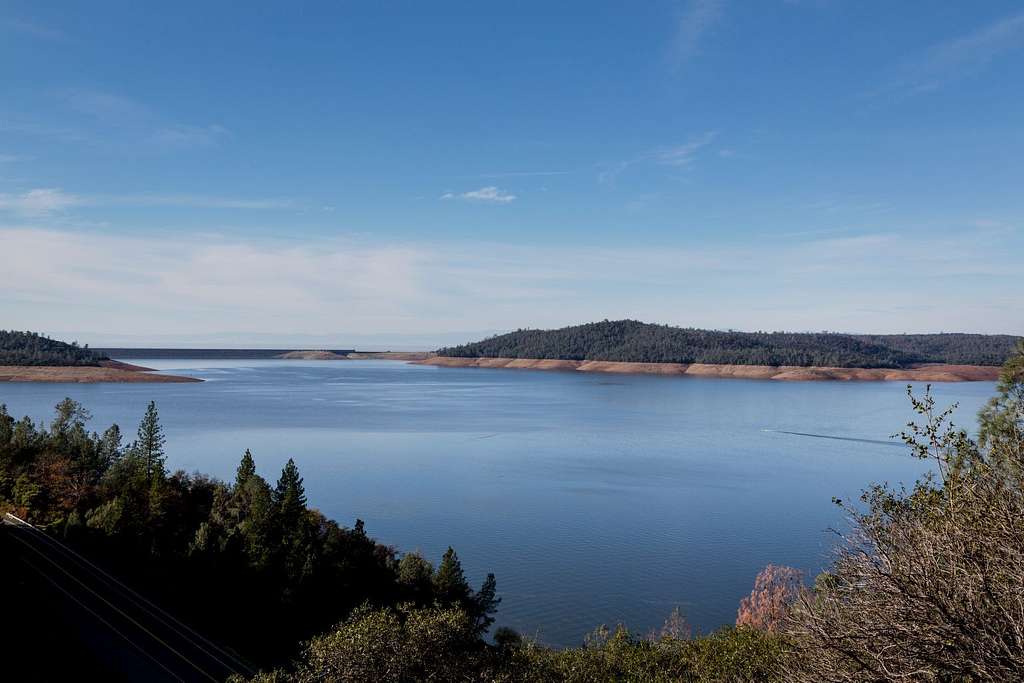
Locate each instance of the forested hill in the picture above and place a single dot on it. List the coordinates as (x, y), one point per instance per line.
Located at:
(954, 348)
(634, 341)
(29, 348)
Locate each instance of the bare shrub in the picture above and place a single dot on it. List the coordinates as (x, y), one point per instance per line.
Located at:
(929, 583)
(776, 589)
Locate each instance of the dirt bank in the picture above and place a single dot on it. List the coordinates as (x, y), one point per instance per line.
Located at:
(923, 373)
(107, 371)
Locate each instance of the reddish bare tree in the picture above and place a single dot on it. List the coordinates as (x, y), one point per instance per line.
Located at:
(776, 589)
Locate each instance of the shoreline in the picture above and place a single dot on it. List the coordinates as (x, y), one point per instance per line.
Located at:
(932, 372)
(111, 371)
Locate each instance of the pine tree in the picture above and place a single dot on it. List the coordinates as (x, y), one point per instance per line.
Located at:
(1002, 419)
(110, 446)
(246, 469)
(150, 444)
(70, 414)
(486, 604)
(449, 580)
(290, 496)
(416, 572)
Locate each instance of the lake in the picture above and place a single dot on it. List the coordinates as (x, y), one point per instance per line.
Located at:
(594, 498)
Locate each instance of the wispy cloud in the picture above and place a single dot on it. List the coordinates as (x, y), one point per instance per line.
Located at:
(34, 129)
(957, 58)
(192, 283)
(522, 174)
(106, 107)
(31, 28)
(114, 119)
(188, 136)
(39, 202)
(673, 155)
(43, 202)
(682, 155)
(192, 201)
(489, 194)
(696, 19)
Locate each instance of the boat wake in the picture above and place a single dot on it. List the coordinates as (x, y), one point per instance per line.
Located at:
(837, 438)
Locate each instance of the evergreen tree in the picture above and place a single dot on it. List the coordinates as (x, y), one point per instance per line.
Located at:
(246, 469)
(110, 446)
(487, 601)
(150, 444)
(70, 414)
(449, 580)
(416, 573)
(290, 495)
(1002, 419)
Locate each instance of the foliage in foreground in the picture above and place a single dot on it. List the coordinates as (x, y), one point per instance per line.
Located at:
(439, 644)
(929, 584)
(275, 570)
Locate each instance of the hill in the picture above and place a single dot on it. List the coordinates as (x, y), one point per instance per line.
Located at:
(952, 348)
(638, 342)
(29, 348)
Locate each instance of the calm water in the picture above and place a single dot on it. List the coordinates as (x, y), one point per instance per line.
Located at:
(594, 498)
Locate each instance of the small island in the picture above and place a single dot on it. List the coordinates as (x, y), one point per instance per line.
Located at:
(630, 346)
(31, 357)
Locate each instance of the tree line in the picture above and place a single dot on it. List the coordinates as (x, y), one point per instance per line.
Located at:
(634, 341)
(926, 583)
(247, 561)
(29, 348)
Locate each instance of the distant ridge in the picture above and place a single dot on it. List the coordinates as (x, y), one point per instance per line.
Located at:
(205, 354)
(637, 342)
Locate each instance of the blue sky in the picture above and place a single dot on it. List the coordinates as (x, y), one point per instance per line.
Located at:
(408, 173)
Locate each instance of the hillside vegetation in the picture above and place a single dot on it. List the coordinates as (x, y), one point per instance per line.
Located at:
(925, 586)
(634, 341)
(29, 348)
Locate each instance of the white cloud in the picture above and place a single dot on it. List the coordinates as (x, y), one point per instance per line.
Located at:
(32, 28)
(193, 284)
(523, 174)
(106, 107)
(45, 201)
(697, 18)
(682, 155)
(40, 202)
(489, 194)
(958, 58)
(673, 155)
(113, 118)
(192, 201)
(188, 136)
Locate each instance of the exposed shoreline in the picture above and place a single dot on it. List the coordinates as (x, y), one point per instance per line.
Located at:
(106, 371)
(922, 373)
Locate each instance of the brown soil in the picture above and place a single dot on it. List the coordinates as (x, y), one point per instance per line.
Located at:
(108, 371)
(923, 373)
